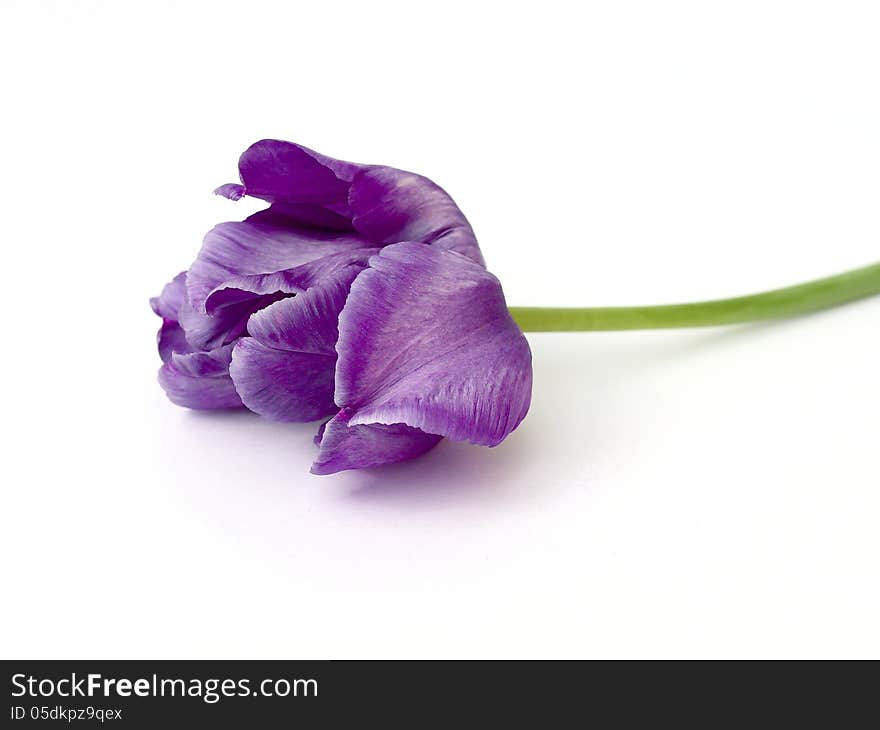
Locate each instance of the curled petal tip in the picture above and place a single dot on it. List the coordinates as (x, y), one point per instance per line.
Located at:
(345, 447)
(233, 191)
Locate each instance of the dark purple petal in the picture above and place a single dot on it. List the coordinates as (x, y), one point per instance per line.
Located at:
(358, 447)
(285, 215)
(167, 304)
(285, 370)
(425, 339)
(285, 172)
(391, 205)
(304, 187)
(200, 380)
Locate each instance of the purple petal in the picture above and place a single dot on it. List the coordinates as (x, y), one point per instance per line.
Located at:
(308, 322)
(304, 187)
(289, 281)
(329, 217)
(283, 386)
(320, 435)
(171, 339)
(200, 380)
(167, 304)
(244, 267)
(233, 191)
(358, 447)
(231, 250)
(280, 385)
(285, 370)
(391, 205)
(275, 170)
(225, 325)
(425, 339)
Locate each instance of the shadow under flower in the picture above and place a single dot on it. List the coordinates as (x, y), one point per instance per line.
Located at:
(453, 472)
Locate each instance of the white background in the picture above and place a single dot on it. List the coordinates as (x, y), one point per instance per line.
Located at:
(707, 493)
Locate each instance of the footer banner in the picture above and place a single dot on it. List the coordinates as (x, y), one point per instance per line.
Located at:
(258, 694)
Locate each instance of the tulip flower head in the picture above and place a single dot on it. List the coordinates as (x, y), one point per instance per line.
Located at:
(360, 298)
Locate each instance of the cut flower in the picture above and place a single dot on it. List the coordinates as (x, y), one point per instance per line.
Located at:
(359, 295)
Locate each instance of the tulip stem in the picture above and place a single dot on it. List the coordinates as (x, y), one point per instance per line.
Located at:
(788, 302)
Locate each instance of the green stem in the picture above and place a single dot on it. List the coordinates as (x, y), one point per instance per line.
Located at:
(788, 302)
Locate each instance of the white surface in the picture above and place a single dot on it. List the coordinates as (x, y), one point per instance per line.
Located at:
(708, 493)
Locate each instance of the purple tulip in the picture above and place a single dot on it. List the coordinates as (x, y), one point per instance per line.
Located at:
(359, 295)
